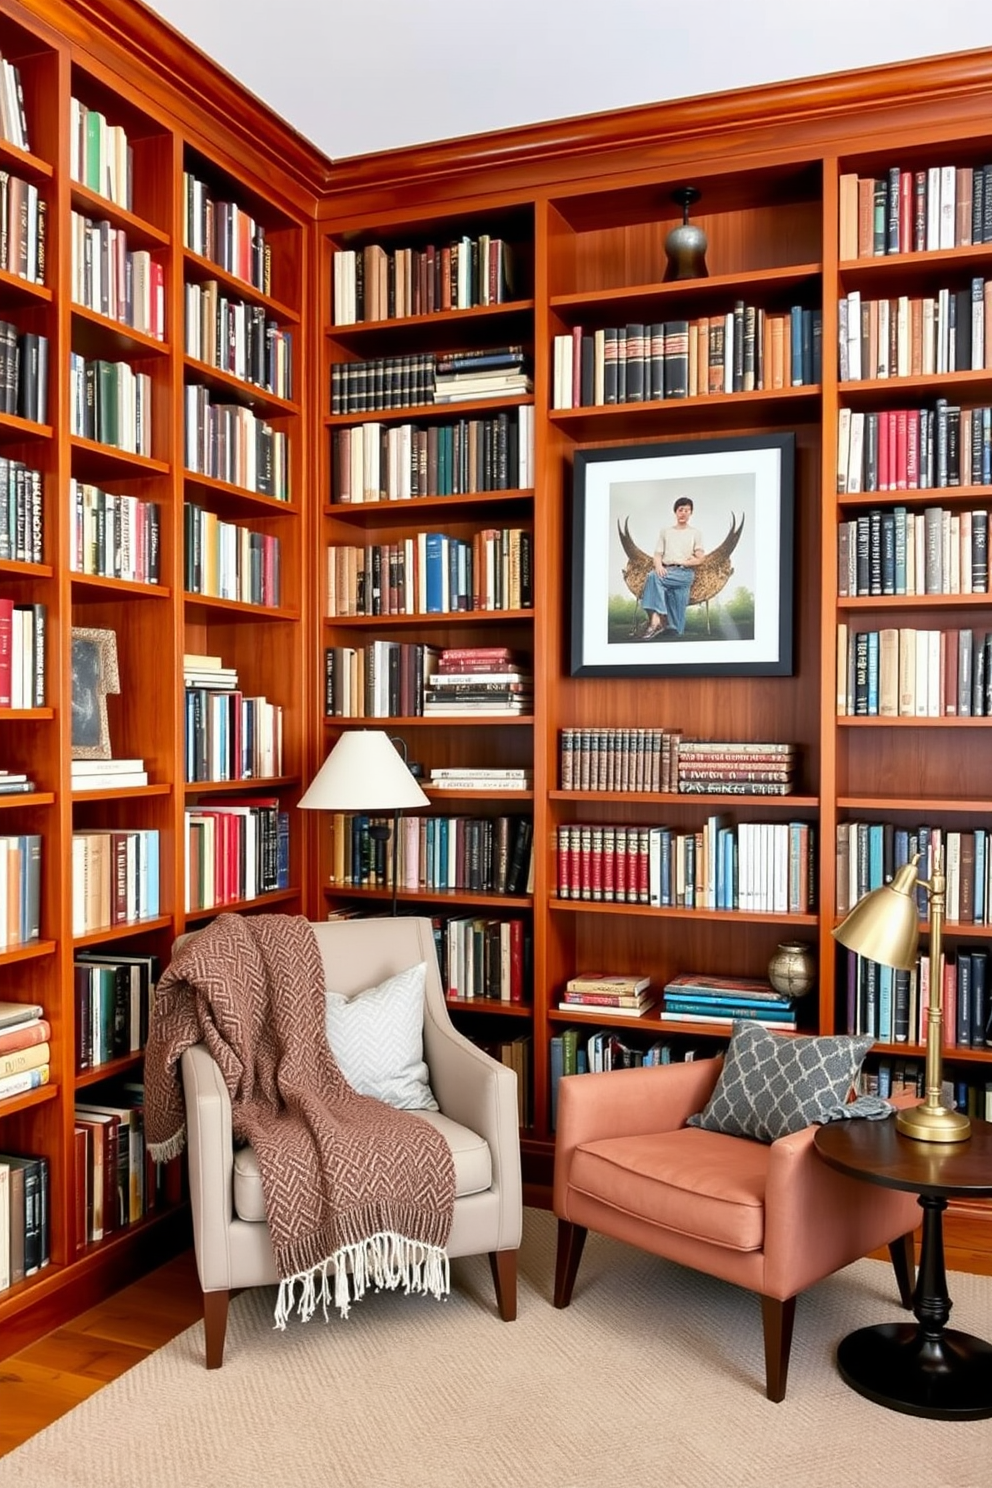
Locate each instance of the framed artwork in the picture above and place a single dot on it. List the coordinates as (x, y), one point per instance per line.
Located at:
(94, 674)
(682, 558)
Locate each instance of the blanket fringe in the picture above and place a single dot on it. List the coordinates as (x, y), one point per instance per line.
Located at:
(384, 1260)
(174, 1146)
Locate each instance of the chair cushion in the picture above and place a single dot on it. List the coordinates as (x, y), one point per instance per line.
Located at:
(696, 1183)
(774, 1084)
(473, 1167)
(377, 1038)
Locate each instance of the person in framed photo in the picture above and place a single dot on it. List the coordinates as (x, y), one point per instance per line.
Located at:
(677, 554)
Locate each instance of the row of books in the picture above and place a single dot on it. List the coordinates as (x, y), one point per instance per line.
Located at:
(914, 336)
(913, 449)
(23, 227)
(485, 855)
(488, 959)
(115, 1182)
(238, 338)
(390, 679)
(225, 233)
(13, 119)
(914, 673)
(914, 211)
(110, 402)
(112, 998)
(482, 373)
(229, 560)
(748, 867)
(892, 550)
(125, 285)
(25, 1242)
(230, 443)
(20, 889)
(373, 462)
(115, 878)
(234, 849)
(869, 853)
(493, 687)
(25, 1048)
(100, 155)
(229, 736)
(662, 760)
(743, 350)
(23, 628)
(419, 379)
(432, 573)
(113, 535)
(517, 1053)
(21, 507)
(692, 998)
(376, 283)
(23, 373)
(892, 1004)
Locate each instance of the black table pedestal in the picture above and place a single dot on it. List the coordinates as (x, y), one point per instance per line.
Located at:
(926, 1370)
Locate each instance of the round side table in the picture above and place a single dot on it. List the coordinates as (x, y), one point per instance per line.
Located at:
(927, 1369)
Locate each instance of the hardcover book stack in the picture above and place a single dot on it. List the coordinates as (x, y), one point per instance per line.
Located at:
(691, 998)
(479, 679)
(25, 1051)
(479, 778)
(502, 372)
(735, 768)
(228, 736)
(619, 995)
(112, 774)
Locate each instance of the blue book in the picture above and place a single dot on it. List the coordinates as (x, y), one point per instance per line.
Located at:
(900, 540)
(796, 346)
(981, 1010)
(282, 849)
(961, 1034)
(886, 1029)
(702, 1013)
(981, 891)
(151, 839)
(727, 1003)
(876, 855)
(434, 575)
(873, 673)
(557, 1066)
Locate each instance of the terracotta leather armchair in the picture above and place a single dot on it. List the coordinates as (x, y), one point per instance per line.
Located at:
(770, 1217)
(478, 1100)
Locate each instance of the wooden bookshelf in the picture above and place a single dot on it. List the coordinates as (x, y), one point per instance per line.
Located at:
(123, 63)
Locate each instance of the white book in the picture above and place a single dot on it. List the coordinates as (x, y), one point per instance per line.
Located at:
(952, 854)
(907, 673)
(965, 558)
(948, 199)
(922, 685)
(854, 335)
(856, 460)
(954, 549)
(934, 679)
(920, 553)
(105, 767)
(121, 781)
(4, 1226)
(843, 448)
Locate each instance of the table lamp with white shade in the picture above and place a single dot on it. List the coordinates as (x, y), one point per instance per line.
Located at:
(366, 772)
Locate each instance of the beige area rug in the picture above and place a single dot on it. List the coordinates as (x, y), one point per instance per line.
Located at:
(653, 1378)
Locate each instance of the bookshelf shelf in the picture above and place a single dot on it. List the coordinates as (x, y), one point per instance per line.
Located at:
(681, 798)
(910, 602)
(11, 426)
(239, 906)
(237, 607)
(444, 617)
(248, 393)
(639, 911)
(373, 513)
(918, 496)
(29, 798)
(12, 569)
(96, 335)
(256, 783)
(13, 287)
(490, 1006)
(14, 1104)
(140, 233)
(23, 163)
(634, 301)
(131, 588)
(474, 316)
(32, 950)
(938, 805)
(970, 257)
(226, 498)
(945, 722)
(196, 269)
(123, 793)
(430, 896)
(126, 1065)
(420, 411)
(445, 720)
(90, 459)
(716, 411)
(121, 932)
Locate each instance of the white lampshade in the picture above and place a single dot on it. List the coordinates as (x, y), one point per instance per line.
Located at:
(363, 772)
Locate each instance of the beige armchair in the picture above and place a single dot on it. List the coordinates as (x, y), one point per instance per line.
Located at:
(478, 1115)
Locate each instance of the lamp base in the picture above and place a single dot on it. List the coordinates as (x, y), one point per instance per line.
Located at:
(933, 1124)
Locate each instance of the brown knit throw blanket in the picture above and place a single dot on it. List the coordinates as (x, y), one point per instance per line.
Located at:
(352, 1186)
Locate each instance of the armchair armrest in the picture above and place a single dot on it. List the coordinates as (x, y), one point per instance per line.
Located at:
(627, 1103)
(481, 1093)
(210, 1143)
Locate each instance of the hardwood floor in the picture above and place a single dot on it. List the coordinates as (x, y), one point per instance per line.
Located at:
(49, 1377)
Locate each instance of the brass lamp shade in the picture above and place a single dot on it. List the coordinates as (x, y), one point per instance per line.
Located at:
(884, 927)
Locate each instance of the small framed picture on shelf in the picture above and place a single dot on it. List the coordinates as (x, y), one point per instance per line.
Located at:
(682, 558)
(94, 674)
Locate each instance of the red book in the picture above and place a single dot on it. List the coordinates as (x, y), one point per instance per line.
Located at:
(906, 209)
(883, 451)
(585, 862)
(620, 864)
(6, 641)
(902, 453)
(25, 1038)
(564, 863)
(596, 863)
(81, 1167)
(912, 449)
(893, 424)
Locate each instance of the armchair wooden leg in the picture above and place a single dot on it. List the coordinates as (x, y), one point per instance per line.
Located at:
(903, 1256)
(777, 1318)
(503, 1264)
(571, 1239)
(215, 1326)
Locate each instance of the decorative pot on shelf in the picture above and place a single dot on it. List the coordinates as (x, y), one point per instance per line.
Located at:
(685, 246)
(792, 969)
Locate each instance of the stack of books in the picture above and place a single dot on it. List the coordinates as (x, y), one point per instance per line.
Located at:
(107, 774)
(691, 998)
(25, 1051)
(736, 768)
(608, 993)
(209, 672)
(15, 783)
(470, 777)
(501, 372)
(479, 679)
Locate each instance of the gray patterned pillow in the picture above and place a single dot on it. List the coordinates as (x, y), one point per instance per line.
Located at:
(771, 1084)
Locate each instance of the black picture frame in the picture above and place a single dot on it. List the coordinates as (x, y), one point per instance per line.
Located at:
(742, 490)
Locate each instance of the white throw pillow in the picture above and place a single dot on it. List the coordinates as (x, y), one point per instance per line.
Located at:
(377, 1038)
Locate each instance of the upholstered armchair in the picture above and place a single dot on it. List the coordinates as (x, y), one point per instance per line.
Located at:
(478, 1115)
(771, 1217)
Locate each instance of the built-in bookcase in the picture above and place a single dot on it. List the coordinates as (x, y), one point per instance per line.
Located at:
(109, 154)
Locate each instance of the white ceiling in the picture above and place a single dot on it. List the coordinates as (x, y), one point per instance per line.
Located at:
(362, 75)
